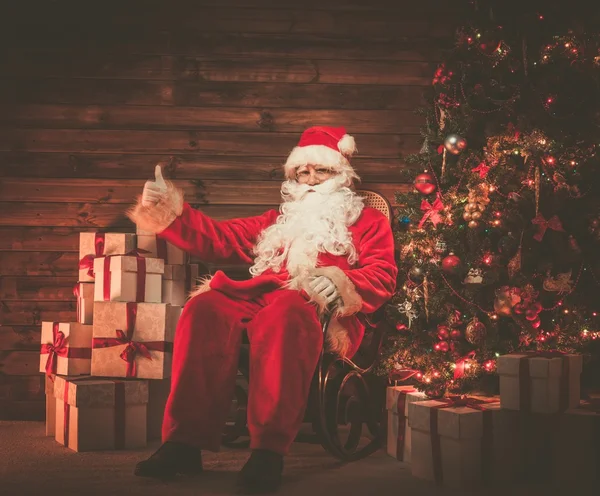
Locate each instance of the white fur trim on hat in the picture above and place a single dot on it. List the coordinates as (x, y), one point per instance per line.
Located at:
(347, 145)
(317, 155)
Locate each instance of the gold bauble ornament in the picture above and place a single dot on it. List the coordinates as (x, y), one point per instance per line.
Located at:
(475, 331)
(476, 215)
(471, 207)
(473, 224)
(467, 216)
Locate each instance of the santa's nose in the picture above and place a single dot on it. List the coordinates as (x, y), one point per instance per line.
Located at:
(312, 181)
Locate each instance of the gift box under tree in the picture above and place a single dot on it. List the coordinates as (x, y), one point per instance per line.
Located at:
(540, 382)
(133, 339)
(173, 285)
(66, 348)
(93, 245)
(451, 441)
(128, 278)
(576, 446)
(399, 431)
(97, 414)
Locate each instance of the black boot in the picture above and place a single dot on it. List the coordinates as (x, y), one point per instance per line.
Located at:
(262, 473)
(169, 460)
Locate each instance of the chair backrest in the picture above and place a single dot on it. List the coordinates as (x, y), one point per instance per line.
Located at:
(376, 200)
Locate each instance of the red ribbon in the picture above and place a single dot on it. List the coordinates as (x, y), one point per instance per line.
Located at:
(401, 407)
(59, 348)
(486, 440)
(87, 262)
(525, 382)
(459, 370)
(133, 348)
(543, 224)
(77, 294)
(431, 212)
(140, 286)
(67, 413)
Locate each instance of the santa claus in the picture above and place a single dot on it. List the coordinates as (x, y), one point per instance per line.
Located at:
(323, 251)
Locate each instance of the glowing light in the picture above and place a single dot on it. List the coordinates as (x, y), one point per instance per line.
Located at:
(436, 374)
(428, 379)
(492, 188)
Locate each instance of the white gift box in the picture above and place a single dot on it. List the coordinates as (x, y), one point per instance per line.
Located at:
(576, 446)
(157, 247)
(539, 384)
(447, 443)
(399, 431)
(66, 348)
(145, 350)
(93, 244)
(98, 414)
(84, 292)
(122, 278)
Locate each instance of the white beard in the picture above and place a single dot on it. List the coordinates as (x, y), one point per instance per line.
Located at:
(310, 223)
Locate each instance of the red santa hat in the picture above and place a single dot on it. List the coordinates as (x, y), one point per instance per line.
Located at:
(327, 146)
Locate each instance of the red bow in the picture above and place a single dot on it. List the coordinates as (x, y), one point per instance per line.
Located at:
(431, 212)
(87, 262)
(57, 348)
(543, 224)
(129, 354)
(459, 370)
(483, 170)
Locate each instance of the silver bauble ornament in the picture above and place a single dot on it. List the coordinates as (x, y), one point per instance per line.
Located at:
(455, 144)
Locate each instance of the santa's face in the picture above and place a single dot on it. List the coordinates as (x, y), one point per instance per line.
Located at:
(315, 216)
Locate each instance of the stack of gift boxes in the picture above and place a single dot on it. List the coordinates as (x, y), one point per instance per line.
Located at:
(538, 429)
(108, 373)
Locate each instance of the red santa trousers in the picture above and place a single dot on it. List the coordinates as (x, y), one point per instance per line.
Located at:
(285, 337)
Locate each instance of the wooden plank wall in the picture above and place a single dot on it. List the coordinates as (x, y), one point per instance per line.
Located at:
(92, 96)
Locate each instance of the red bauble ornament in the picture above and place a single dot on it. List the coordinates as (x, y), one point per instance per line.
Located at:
(531, 314)
(425, 183)
(443, 332)
(442, 346)
(536, 323)
(451, 264)
(519, 308)
(455, 334)
(401, 327)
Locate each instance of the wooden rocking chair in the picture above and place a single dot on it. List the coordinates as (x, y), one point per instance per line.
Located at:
(345, 394)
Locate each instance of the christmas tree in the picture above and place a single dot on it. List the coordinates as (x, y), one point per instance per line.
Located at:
(499, 242)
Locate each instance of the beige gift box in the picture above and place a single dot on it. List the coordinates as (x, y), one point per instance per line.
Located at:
(538, 384)
(452, 456)
(173, 292)
(153, 333)
(123, 279)
(85, 302)
(576, 447)
(159, 248)
(50, 406)
(95, 414)
(75, 347)
(507, 451)
(158, 393)
(399, 431)
(114, 244)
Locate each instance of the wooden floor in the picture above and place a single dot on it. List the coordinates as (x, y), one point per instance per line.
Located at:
(32, 464)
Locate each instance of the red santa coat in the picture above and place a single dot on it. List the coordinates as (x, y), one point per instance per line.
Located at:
(363, 287)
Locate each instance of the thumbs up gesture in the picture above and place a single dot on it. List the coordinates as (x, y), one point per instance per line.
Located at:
(155, 190)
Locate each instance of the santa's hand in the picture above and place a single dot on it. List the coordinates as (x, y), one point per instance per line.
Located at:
(325, 288)
(155, 190)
